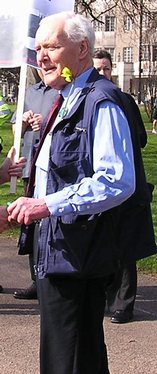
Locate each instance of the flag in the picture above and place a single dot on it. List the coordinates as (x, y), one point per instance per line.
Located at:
(19, 21)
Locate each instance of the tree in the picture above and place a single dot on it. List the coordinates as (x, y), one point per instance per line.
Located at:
(9, 78)
(149, 46)
(96, 8)
(137, 10)
(10, 74)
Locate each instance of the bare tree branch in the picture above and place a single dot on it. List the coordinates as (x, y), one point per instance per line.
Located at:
(132, 8)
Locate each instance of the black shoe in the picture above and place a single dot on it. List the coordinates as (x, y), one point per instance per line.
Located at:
(121, 316)
(1, 289)
(27, 293)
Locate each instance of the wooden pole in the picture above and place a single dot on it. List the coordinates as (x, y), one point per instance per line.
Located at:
(18, 124)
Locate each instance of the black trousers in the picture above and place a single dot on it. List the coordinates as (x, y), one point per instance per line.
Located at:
(31, 267)
(33, 257)
(72, 337)
(121, 293)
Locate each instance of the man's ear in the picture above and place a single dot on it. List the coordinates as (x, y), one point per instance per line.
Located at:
(83, 48)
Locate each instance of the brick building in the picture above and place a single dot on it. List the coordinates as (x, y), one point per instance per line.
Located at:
(132, 42)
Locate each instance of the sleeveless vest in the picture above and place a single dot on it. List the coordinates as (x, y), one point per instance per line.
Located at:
(80, 245)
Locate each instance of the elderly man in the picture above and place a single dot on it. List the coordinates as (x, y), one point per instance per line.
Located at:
(83, 167)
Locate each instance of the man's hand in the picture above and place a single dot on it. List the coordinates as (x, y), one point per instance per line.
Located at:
(31, 119)
(35, 122)
(25, 121)
(26, 210)
(10, 169)
(27, 116)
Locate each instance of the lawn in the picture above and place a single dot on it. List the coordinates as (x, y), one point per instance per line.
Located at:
(5, 196)
(7, 136)
(149, 157)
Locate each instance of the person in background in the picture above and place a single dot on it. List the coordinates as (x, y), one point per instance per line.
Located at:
(103, 63)
(7, 170)
(38, 101)
(154, 118)
(121, 293)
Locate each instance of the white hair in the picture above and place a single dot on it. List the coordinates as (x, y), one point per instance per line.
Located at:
(77, 27)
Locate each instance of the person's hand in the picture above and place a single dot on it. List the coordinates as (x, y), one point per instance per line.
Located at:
(26, 210)
(35, 122)
(4, 224)
(25, 121)
(27, 116)
(10, 169)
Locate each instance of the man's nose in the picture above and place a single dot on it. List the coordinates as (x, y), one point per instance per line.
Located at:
(42, 54)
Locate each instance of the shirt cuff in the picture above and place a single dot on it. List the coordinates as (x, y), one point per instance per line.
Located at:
(58, 204)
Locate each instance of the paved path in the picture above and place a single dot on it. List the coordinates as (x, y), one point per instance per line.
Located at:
(132, 348)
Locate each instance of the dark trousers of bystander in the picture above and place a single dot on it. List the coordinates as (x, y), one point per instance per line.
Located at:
(121, 293)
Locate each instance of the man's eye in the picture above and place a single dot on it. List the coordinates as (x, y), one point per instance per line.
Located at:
(52, 48)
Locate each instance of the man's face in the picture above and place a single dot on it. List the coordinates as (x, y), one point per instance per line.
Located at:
(103, 66)
(54, 52)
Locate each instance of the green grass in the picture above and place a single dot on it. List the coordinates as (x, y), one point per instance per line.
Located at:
(149, 157)
(5, 196)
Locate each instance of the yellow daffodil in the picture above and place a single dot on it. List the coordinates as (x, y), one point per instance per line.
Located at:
(67, 74)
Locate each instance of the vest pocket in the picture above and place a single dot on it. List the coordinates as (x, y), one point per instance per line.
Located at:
(78, 237)
(70, 173)
(84, 248)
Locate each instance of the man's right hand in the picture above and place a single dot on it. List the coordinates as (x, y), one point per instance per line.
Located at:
(35, 122)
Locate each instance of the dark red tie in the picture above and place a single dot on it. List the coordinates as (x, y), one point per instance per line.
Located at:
(51, 118)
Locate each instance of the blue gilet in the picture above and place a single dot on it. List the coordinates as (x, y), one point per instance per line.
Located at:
(79, 245)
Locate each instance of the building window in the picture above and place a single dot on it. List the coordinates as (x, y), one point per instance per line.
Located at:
(154, 54)
(127, 54)
(146, 21)
(145, 53)
(99, 26)
(109, 23)
(154, 20)
(127, 23)
(112, 53)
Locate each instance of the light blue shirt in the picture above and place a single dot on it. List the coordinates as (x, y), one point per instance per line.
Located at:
(113, 180)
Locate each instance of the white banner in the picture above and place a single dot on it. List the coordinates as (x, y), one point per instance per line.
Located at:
(19, 20)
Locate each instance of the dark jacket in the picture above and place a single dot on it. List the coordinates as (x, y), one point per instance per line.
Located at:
(38, 98)
(82, 246)
(132, 220)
